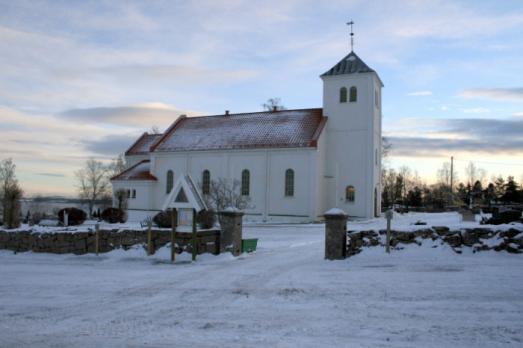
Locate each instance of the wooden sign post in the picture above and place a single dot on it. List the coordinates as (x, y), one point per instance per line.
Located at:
(174, 224)
(97, 239)
(183, 200)
(388, 215)
(194, 243)
(149, 237)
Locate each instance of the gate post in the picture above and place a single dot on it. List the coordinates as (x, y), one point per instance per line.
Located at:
(231, 222)
(335, 234)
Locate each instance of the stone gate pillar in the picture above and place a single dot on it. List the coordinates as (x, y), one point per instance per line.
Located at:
(335, 234)
(231, 222)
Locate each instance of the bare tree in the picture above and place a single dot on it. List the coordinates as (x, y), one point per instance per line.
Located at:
(474, 173)
(10, 194)
(225, 193)
(117, 166)
(273, 104)
(155, 130)
(386, 146)
(121, 199)
(92, 182)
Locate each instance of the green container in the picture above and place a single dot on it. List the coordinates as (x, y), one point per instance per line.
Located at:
(249, 245)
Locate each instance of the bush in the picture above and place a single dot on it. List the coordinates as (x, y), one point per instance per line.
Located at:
(163, 219)
(504, 218)
(75, 216)
(206, 218)
(113, 215)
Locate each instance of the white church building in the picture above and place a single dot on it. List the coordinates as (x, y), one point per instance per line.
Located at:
(293, 164)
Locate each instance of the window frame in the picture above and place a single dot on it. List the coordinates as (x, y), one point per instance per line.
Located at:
(343, 94)
(206, 181)
(353, 94)
(289, 182)
(169, 185)
(350, 194)
(245, 183)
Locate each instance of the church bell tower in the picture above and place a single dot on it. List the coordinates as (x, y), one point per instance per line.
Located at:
(352, 103)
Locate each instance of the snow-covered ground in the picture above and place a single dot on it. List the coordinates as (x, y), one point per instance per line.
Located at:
(284, 295)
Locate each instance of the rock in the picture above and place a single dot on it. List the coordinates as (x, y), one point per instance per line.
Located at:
(511, 233)
(454, 240)
(512, 248)
(469, 237)
(425, 233)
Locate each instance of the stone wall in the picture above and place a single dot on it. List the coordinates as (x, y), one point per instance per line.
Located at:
(84, 242)
(478, 239)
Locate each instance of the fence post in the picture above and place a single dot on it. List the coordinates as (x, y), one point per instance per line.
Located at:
(194, 243)
(335, 234)
(149, 237)
(388, 215)
(174, 223)
(97, 239)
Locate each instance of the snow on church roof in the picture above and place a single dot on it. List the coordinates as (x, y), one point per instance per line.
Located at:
(140, 171)
(143, 144)
(271, 129)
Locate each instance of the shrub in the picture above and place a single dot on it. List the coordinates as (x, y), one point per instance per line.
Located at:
(75, 216)
(12, 206)
(206, 218)
(113, 215)
(163, 219)
(504, 218)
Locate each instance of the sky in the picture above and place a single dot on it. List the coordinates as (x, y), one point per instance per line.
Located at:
(83, 79)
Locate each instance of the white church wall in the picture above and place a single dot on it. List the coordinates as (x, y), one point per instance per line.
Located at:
(267, 170)
(134, 159)
(350, 144)
(139, 207)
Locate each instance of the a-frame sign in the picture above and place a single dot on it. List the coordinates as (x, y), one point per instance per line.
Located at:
(183, 198)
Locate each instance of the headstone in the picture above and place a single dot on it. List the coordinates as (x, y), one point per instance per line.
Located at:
(335, 234)
(468, 215)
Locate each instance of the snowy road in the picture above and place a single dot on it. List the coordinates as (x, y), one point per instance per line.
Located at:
(284, 295)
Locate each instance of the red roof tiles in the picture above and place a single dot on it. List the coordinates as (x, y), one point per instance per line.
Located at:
(143, 144)
(272, 129)
(140, 171)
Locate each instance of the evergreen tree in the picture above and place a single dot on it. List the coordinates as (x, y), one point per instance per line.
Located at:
(512, 193)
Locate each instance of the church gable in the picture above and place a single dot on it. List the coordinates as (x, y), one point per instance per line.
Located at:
(275, 129)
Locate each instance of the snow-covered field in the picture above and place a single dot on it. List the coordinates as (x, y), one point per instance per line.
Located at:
(284, 295)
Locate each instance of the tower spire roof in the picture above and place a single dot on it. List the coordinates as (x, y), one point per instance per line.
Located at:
(351, 64)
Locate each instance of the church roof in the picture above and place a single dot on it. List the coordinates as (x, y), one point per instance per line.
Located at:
(143, 144)
(351, 64)
(140, 171)
(271, 129)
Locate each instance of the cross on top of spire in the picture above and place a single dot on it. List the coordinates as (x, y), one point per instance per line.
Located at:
(351, 23)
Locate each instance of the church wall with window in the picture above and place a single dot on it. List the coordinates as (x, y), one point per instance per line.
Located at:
(267, 193)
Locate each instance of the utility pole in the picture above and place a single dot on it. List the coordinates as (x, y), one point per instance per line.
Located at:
(451, 179)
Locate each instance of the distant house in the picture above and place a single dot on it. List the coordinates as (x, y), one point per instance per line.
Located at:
(294, 164)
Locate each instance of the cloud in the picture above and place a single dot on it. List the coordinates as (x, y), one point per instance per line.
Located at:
(514, 94)
(419, 94)
(111, 145)
(476, 110)
(447, 136)
(57, 175)
(518, 114)
(145, 115)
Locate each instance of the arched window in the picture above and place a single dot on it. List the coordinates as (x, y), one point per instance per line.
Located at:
(170, 181)
(289, 183)
(343, 95)
(246, 181)
(353, 94)
(206, 182)
(134, 193)
(350, 193)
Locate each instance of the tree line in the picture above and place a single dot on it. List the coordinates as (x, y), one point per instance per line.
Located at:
(404, 187)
